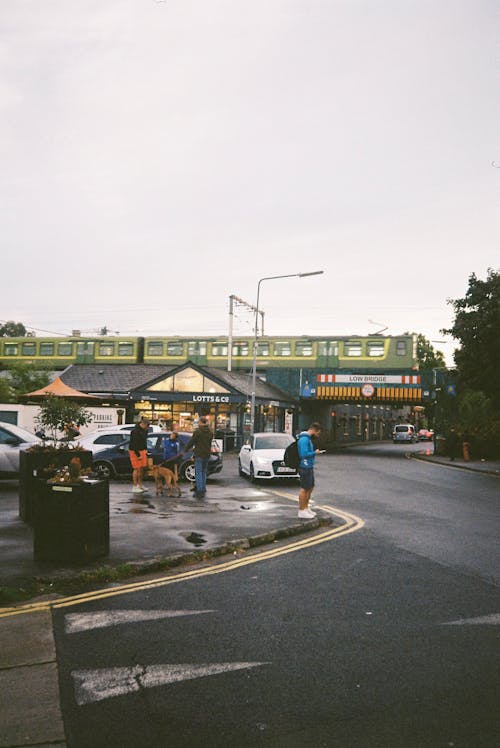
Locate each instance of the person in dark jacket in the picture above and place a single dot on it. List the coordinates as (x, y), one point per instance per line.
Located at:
(138, 453)
(201, 441)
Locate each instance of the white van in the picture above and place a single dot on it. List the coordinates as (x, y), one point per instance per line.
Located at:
(404, 432)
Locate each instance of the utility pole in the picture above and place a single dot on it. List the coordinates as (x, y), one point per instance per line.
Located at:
(232, 300)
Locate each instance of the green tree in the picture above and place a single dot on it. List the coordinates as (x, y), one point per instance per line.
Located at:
(56, 412)
(428, 357)
(5, 391)
(477, 328)
(13, 329)
(27, 378)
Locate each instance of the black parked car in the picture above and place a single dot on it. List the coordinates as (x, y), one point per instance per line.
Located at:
(114, 461)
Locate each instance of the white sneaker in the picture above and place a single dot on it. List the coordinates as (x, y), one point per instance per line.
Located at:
(137, 489)
(306, 514)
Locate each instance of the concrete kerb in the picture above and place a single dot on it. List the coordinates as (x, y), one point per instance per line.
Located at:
(446, 462)
(83, 579)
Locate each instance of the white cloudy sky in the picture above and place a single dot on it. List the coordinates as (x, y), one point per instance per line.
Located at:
(160, 156)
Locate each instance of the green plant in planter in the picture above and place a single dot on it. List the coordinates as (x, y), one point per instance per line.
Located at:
(57, 413)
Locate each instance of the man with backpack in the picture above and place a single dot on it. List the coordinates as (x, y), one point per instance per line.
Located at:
(307, 456)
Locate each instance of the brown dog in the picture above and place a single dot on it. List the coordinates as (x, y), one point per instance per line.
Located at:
(165, 477)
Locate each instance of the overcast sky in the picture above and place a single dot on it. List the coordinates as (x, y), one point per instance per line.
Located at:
(158, 156)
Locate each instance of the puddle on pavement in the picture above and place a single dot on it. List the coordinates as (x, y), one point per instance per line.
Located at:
(196, 538)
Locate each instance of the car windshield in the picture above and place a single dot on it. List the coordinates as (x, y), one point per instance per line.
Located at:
(21, 433)
(272, 441)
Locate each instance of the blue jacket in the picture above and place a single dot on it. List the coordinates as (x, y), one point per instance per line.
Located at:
(170, 449)
(307, 452)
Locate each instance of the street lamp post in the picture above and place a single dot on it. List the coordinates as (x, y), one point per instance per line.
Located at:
(254, 366)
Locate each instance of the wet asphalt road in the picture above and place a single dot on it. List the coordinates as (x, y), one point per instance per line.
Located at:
(384, 637)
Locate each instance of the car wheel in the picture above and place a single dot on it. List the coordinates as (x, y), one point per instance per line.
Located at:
(240, 469)
(252, 473)
(103, 469)
(188, 472)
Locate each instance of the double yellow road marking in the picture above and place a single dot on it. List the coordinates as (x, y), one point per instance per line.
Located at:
(352, 523)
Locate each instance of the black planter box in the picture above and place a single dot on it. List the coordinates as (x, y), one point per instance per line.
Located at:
(71, 521)
(30, 465)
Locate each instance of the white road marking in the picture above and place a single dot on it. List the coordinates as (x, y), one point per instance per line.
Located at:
(75, 622)
(491, 620)
(97, 685)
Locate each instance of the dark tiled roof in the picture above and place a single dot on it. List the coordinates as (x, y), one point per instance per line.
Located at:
(115, 378)
(242, 381)
(121, 378)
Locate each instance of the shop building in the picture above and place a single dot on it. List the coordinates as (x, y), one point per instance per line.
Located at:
(176, 396)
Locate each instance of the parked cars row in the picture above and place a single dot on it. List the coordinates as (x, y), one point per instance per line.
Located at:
(111, 459)
(109, 449)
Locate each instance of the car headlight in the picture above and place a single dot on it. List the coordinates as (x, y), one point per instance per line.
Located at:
(262, 461)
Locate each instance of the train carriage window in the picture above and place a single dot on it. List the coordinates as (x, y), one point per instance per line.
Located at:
(106, 349)
(262, 349)
(197, 348)
(282, 348)
(46, 349)
(375, 348)
(28, 349)
(175, 348)
(401, 348)
(10, 349)
(65, 349)
(352, 348)
(328, 348)
(219, 349)
(304, 348)
(125, 349)
(240, 349)
(155, 348)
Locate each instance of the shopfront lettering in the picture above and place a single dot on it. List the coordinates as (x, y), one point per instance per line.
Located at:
(210, 399)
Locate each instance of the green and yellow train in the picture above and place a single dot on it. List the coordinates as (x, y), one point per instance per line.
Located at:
(370, 353)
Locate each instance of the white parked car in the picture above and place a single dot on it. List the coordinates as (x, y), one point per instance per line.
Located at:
(12, 440)
(262, 458)
(104, 439)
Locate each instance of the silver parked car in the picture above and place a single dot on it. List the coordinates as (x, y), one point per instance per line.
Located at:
(12, 440)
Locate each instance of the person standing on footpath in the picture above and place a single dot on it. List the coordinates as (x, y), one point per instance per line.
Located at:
(307, 456)
(171, 452)
(202, 443)
(138, 453)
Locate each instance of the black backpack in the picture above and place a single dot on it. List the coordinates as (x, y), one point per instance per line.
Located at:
(291, 457)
